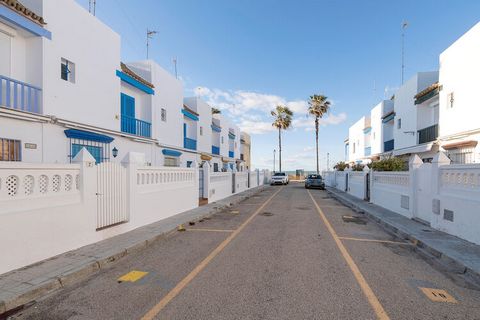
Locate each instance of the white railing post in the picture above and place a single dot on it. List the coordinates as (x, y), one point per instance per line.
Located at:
(131, 162)
(439, 160)
(413, 164)
(206, 179)
(88, 183)
(366, 171)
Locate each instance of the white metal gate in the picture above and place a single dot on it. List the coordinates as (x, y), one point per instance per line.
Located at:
(111, 194)
(424, 192)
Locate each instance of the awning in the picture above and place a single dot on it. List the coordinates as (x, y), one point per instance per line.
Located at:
(171, 153)
(189, 114)
(415, 149)
(225, 160)
(388, 117)
(205, 157)
(87, 135)
(460, 144)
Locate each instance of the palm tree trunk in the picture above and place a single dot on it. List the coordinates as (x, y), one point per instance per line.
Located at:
(280, 149)
(316, 140)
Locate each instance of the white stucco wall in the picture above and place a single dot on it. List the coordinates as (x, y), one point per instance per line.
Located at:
(459, 70)
(356, 136)
(95, 50)
(378, 136)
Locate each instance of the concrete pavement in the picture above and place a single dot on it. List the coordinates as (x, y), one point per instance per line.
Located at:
(273, 256)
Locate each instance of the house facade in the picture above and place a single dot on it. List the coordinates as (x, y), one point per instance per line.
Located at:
(64, 89)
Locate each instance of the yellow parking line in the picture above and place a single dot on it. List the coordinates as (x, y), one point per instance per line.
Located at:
(185, 281)
(367, 291)
(375, 240)
(210, 230)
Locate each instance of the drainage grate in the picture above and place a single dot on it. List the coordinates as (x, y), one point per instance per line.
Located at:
(266, 214)
(438, 295)
(426, 230)
(302, 208)
(354, 219)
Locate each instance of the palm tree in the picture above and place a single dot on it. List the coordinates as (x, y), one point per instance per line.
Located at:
(216, 111)
(318, 106)
(283, 120)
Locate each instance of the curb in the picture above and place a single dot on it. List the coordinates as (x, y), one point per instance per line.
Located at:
(12, 302)
(430, 254)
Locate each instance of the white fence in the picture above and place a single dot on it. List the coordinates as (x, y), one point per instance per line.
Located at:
(219, 185)
(443, 195)
(241, 181)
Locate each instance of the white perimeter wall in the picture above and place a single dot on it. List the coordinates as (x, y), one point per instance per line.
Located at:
(356, 183)
(387, 189)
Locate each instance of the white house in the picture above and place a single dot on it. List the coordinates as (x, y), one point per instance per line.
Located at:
(414, 119)
(459, 127)
(381, 132)
(359, 141)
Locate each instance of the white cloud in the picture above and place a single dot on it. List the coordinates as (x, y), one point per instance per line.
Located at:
(251, 110)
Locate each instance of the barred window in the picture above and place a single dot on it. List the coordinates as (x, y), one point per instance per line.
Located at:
(163, 114)
(171, 162)
(99, 150)
(10, 150)
(461, 155)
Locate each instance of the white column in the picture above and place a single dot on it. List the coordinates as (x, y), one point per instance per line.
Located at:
(413, 164)
(88, 184)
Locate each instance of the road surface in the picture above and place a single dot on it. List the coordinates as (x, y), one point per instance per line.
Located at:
(286, 253)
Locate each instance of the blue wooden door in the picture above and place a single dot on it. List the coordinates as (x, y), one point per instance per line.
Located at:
(128, 113)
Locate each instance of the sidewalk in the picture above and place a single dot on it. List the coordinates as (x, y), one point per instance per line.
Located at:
(25, 285)
(449, 252)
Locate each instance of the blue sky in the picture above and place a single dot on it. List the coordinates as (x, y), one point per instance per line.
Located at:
(245, 56)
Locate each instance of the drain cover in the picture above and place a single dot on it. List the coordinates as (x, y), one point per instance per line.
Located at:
(267, 214)
(355, 219)
(426, 230)
(438, 295)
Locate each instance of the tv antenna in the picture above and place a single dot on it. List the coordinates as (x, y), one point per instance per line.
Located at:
(404, 26)
(174, 60)
(150, 34)
(91, 6)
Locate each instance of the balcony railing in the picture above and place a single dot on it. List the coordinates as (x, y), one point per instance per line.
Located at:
(242, 157)
(215, 150)
(230, 154)
(18, 95)
(135, 126)
(368, 151)
(428, 134)
(388, 145)
(190, 144)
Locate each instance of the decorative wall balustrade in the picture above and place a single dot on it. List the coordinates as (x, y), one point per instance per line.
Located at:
(391, 178)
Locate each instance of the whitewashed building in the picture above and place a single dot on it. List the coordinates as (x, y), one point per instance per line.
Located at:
(359, 141)
(459, 127)
(64, 89)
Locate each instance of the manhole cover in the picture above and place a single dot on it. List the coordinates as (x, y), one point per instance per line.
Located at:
(266, 214)
(438, 295)
(355, 219)
(426, 230)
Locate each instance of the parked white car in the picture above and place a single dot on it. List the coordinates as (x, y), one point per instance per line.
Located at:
(279, 178)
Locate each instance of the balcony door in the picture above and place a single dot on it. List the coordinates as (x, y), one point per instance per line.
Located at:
(128, 113)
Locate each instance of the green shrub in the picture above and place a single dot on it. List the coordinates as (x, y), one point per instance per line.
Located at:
(358, 167)
(389, 164)
(341, 166)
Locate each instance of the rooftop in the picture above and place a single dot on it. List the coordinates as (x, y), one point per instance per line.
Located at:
(15, 5)
(132, 74)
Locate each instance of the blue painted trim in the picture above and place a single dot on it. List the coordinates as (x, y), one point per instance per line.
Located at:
(215, 150)
(24, 23)
(367, 130)
(230, 154)
(216, 128)
(87, 135)
(190, 115)
(133, 82)
(172, 153)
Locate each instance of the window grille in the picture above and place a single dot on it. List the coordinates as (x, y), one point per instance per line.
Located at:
(462, 155)
(99, 150)
(10, 150)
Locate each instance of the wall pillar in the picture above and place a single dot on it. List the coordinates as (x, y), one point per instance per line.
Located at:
(413, 164)
(88, 184)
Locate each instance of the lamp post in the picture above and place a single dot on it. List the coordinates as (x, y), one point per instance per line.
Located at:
(274, 151)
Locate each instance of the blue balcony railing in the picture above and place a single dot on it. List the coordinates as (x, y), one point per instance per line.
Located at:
(388, 145)
(368, 151)
(428, 134)
(18, 95)
(190, 143)
(230, 154)
(215, 150)
(135, 126)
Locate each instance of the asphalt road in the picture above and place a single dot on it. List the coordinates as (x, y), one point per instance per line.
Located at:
(275, 256)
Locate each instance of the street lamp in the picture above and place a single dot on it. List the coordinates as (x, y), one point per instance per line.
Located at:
(115, 152)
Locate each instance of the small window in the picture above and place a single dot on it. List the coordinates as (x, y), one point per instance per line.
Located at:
(215, 167)
(222, 140)
(10, 150)
(67, 70)
(235, 145)
(163, 114)
(171, 162)
(450, 100)
(399, 124)
(189, 164)
(201, 130)
(354, 147)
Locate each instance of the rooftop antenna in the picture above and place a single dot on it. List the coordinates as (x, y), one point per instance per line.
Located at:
(174, 60)
(404, 26)
(91, 6)
(150, 34)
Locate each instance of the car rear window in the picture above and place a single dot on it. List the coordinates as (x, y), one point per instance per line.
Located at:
(279, 174)
(314, 176)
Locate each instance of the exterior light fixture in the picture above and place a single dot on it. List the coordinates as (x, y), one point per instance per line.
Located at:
(115, 152)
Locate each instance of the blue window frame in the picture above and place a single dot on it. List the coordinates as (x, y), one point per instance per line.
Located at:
(189, 164)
